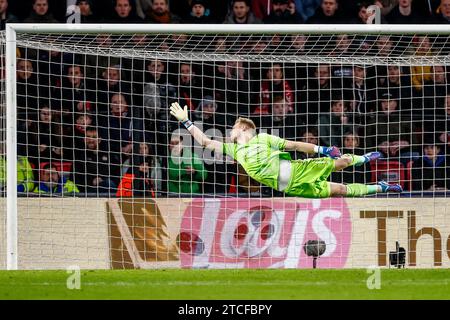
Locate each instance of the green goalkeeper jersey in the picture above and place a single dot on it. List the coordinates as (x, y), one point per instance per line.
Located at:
(260, 157)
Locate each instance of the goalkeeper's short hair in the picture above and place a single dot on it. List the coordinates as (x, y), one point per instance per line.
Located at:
(247, 122)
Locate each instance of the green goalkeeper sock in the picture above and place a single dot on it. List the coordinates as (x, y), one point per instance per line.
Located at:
(356, 160)
(358, 189)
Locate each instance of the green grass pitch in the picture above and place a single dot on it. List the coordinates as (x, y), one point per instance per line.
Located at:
(227, 284)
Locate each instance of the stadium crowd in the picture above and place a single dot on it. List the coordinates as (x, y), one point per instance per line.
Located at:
(100, 125)
(224, 11)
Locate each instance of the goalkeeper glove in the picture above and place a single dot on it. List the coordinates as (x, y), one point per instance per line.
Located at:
(332, 152)
(180, 114)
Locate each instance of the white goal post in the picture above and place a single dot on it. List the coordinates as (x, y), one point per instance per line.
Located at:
(41, 30)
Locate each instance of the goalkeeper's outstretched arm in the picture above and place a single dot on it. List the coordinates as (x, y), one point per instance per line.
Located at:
(332, 152)
(182, 116)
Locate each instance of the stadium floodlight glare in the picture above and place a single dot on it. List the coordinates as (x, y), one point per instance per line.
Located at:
(236, 64)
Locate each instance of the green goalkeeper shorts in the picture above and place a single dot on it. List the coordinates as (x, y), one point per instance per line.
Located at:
(309, 178)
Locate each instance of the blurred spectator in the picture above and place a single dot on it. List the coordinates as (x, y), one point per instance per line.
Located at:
(186, 170)
(159, 13)
(212, 122)
(158, 93)
(435, 100)
(309, 135)
(157, 89)
(52, 67)
(189, 87)
(315, 96)
(199, 13)
(342, 46)
(442, 125)
(260, 8)
(96, 169)
(281, 121)
(386, 131)
(443, 14)
(307, 8)
(137, 181)
(75, 90)
(386, 6)
(207, 116)
(116, 127)
(299, 43)
(51, 182)
(352, 174)
(134, 67)
(28, 92)
(241, 13)
(427, 8)
(352, 144)
(275, 84)
(81, 123)
(25, 176)
(27, 101)
(143, 152)
(398, 85)
(384, 45)
(124, 12)
(364, 14)
(232, 84)
(421, 74)
(362, 92)
(5, 15)
(45, 137)
(283, 11)
(86, 13)
(404, 13)
(143, 6)
(430, 171)
(333, 125)
(436, 90)
(110, 83)
(95, 65)
(40, 13)
(341, 74)
(327, 13)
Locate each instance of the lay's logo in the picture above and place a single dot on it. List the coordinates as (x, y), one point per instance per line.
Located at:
(258, 233)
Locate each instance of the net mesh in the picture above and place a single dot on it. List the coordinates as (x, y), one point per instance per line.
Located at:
(93, 122)
(306, 48)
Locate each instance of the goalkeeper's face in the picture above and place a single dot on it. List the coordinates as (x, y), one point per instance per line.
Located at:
(241, 133)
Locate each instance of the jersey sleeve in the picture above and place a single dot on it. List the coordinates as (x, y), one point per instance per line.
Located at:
(229, 149)
(276, 142)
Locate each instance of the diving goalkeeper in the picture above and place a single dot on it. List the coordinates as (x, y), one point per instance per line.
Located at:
(265, 159)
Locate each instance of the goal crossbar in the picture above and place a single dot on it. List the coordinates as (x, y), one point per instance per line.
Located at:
(232, 29)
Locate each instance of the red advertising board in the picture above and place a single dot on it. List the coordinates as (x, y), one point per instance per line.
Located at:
(258, 233)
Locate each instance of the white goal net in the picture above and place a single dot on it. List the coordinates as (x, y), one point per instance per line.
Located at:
(107, 178)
